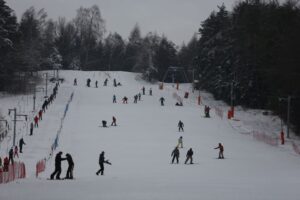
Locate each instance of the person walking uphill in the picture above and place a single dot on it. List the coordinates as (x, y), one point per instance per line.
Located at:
(21, 143)
(69, 174)
(101, 163)
(57, 170)
(175, 154)
(189, 156)
(221, 150)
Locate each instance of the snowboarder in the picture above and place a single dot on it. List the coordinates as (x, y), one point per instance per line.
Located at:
(96, 84)
(180, 142)
(75, 81)
(114, 99)
(114, 120)
(180, 126)
(179, 104)
(11, 155)
(31, 128)
(36, 121)
(88, 82)
(189, 156)
(175, 155)
(101, 163)
(57, 170)
(162, 100)
(150, 92)
(115, 83)
(105, 82)
(21, 143)
(143, 89)
(104, 123)
(221, 150)
(69, 174)
(125, 100)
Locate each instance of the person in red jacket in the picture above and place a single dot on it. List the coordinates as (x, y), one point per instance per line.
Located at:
(36, 121)
(5, 164)
(221, 150)
(40, 115)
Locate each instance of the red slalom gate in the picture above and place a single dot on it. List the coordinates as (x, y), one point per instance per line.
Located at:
(40, 166)
(15, 171)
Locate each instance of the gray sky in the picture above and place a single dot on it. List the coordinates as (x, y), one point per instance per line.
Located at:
(176, 19)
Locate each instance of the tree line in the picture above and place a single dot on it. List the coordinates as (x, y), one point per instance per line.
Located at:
(248, 56)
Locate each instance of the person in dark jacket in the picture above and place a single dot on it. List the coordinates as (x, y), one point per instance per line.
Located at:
(221, 150)
(11, 156)
(101, 163)
(162, 100)
(104, 123)
(180, 126)
(175, 154)
(114, 121)
(69, 174)
(31, 128)
(21, 143)
(189, 156)
(57, 170)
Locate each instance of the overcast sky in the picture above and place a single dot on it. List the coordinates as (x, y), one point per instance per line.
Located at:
(176, 19)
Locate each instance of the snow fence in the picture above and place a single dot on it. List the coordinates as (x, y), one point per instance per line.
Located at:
(14, 171)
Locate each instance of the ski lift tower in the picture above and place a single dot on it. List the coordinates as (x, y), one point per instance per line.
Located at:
(175, 71)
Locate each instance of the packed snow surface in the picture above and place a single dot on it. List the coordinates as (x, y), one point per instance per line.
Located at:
(140, 147)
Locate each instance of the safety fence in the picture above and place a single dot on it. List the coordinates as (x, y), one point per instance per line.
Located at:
(40, 166)
(56, 140)
(265, 138)
(12, 172)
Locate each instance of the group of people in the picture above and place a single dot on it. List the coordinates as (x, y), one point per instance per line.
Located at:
(88, 82)
(113, 123)
(57, 170)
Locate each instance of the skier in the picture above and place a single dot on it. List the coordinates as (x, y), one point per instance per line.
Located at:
(31, 128)
(189, 156)
(114, 120)
(11, 155)
(75, 81)
(114, 99)
(143, 89)
(105, 82)
(5, 164)
(115, 83)
(44, 106)
(96, 84)
(36, 121)
(150, 92)
(180, 142)
(206, 111)
(101, 163)
(57, 170)
(125, 100)
(16, 152)
(88, 82)
(162, 100)
(69, 174)
(104, 123)
(139, 95)
(135, 98)
(21, 143)
(180, 126)
(175, 154)
(221, 150)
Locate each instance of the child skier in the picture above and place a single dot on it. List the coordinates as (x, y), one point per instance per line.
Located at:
(180, 142)
(180, 126)
(221, 150)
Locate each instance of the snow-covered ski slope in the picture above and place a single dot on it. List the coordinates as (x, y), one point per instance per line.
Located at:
(140, 149)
